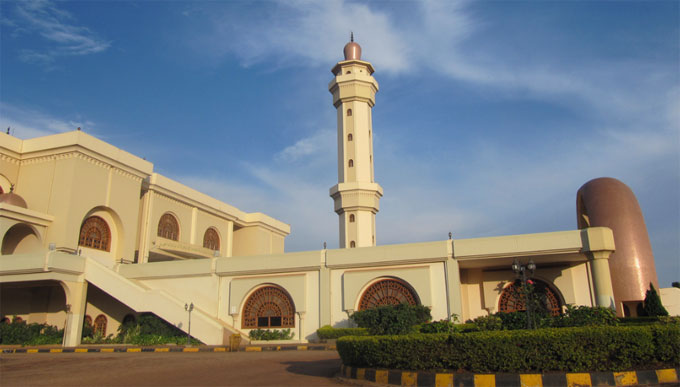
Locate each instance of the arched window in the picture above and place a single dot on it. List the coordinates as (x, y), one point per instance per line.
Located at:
(211, 240)
(87, 321)
(349, 112)
(349, 137)
(4, 320)
(352, 244)
(168, 227)
(100, 325)
(95, 233)
(350, 163)
(269, 307)
(388, 292)
(351, 218)
(513, 299)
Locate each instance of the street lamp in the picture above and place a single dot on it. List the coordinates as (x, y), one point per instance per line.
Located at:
(521, 273)
(189, 308)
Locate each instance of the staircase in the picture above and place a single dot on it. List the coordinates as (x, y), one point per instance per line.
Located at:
(204, 327)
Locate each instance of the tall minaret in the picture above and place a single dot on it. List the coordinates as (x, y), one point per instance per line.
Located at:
(356, 195)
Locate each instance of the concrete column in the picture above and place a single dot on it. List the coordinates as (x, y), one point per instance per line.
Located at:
(602, 280)
(301, 330)
(325, 291)
(453, 285)
(76, 300)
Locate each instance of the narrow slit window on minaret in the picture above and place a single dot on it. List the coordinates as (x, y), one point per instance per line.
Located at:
(349, 137)
(352, 244)
(351, 218)
(349, 112)
(351, 163)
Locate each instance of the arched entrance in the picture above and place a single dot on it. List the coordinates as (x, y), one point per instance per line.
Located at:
(388, 292)
(513, 300)
(268, 307)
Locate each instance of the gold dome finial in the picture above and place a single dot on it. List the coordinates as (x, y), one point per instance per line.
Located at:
(352, 49)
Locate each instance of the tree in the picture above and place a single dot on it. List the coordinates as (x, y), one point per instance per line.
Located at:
(652, 304)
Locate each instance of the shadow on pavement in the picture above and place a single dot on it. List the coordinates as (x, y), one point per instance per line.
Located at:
(324, 368)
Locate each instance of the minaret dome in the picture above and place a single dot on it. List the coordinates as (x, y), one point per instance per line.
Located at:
(352, 49)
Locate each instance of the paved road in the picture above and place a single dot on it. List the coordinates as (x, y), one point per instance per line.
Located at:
(289, 368)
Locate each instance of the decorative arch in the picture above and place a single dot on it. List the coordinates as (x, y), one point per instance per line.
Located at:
(20, 238)
(168, 227)
(100, 325)
(211, 239)
(95, 234)
(269, 307)
(512, 300)
(352, 244)
(389, 291)
(87, 321)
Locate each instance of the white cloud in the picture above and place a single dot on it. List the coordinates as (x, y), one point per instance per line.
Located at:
(57, 27)
(28, 123)
(319, 143)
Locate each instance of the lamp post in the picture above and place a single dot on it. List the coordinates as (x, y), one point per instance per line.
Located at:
(189, 308)
(521, 273)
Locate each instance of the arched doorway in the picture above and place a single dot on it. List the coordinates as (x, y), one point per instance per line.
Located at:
(513, 300)
(388, 292)
(269, 307)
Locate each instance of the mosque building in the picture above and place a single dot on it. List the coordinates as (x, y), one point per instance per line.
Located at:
(90, 233)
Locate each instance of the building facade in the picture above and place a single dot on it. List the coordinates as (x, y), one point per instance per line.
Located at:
(90, 233)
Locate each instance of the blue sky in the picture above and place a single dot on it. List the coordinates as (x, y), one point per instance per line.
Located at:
(490, 115)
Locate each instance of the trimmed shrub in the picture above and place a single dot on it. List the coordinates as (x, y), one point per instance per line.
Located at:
(445, 326)
(578, 349)
(19, 332)
(266, 334)
(327, 332)
(580, 316)
(392, 320)
(652, 304)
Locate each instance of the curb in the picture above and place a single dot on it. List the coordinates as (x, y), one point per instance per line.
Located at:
(425, 378)
(259, 348)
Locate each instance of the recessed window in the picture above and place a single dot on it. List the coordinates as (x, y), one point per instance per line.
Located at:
(349, 137)
(211, 240)
(95, 233)
(100, 325)
(168, 227)
(352, 244)
(349, 112)
(269, 307)
(351, 218)
(350, 163)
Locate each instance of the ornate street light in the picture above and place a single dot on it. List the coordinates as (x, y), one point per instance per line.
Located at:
(189, 308)
(521, 273)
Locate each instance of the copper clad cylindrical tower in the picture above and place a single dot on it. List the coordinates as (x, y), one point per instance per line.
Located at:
(610, 203)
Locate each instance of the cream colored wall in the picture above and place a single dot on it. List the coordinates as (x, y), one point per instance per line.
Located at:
(99, 302)
(42, 304)
(670, 298)
(204, 290)
(253, 241)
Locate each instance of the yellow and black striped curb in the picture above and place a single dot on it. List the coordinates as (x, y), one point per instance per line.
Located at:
(424, 378)
(262, 348)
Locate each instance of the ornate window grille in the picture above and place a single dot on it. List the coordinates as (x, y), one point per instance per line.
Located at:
(211, 240)
(512, 298)
(168, 227)
(269, 307)
(387, 292)
(95, 233)
(100, 325)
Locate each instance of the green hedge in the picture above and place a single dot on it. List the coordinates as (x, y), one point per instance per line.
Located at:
(327, 332)
(576, 349)
(30, 334)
